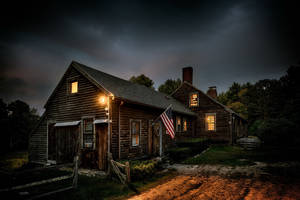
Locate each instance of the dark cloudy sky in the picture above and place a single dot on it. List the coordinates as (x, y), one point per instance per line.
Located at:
(224, 41)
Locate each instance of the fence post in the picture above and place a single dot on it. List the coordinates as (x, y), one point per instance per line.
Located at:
(75, 179)
(127, 171)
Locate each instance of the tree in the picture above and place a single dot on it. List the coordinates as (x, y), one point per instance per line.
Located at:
(4, 127)
(169, 86)
(21, 120)
(142, 80)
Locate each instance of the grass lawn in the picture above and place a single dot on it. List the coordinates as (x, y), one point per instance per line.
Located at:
(237, 156)
(88, 187)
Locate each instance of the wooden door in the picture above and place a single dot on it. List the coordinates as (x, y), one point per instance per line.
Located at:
(101, 146)
(63, 143)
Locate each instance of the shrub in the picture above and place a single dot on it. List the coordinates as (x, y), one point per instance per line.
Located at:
(280, 132)
(143, 169)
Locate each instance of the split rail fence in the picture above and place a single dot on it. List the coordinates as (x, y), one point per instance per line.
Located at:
(73, 176)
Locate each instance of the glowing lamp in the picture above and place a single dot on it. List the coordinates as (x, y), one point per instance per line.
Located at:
(102, 100)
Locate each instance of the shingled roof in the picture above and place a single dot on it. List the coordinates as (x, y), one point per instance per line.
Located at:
(133, 92)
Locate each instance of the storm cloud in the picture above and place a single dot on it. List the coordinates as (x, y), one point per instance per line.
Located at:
(224, 41)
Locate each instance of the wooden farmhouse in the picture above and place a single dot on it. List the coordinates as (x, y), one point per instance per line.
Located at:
(91, 113)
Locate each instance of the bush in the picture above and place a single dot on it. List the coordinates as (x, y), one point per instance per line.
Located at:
(143, 169)
(281, 132)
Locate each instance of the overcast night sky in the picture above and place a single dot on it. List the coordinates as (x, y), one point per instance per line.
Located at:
(224, 41)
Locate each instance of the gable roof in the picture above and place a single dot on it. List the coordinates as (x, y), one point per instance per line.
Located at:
(127, 90)
(212, 99)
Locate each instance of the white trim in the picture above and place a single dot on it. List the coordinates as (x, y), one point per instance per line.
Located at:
(100, 121)
(72, 123)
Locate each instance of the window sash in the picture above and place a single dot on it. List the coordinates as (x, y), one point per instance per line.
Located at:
(74, 87)
(184, 124)
(178, 123)
(194, 99)
(210, 122)
(88, 133)
(135, 130)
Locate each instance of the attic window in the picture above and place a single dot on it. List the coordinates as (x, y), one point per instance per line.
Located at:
(194, 99)
(74, 87)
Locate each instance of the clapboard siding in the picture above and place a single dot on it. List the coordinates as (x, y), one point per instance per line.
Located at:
(38, 143)
(64, 107)
(206, 105)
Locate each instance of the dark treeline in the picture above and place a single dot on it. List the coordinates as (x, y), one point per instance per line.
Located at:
(272, 107)
(17, 119)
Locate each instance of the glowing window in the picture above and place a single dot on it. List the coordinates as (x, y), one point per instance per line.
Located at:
(194, 100)
(178, 123)
(210, 122)
(74, 87)
(135, 132)
(184, 124)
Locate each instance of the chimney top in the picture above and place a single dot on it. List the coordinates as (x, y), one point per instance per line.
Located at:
(187, 74)
(212, 92)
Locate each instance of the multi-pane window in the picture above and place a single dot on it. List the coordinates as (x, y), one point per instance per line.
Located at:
(194, 99)
(184, 124)
(135, 132)
(74, 87)
(210, 121)
(178, 123)
(88, 133)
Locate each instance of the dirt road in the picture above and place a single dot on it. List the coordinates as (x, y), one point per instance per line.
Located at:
(185, 187)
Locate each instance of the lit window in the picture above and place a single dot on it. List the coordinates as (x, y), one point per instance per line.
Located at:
(88, 133)
(210, 122)
(194, 99)
(74, 87)
(184, 124)
(178, 123)
(135, 133)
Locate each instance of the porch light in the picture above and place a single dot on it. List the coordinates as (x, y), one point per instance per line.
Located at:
(102, 100)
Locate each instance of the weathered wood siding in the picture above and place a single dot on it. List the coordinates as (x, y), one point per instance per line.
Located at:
(206, 105)
(38, 143)
(64, 107)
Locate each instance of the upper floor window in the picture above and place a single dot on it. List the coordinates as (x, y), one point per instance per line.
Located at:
(88, 133)
(178, 123)
(210, 121)
(135, 128)
(194, 99)
(74, 87)
(184, 124)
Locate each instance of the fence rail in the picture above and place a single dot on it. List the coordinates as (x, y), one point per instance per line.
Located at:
(74, 175)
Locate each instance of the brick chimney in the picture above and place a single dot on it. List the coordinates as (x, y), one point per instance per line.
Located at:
(187, 74)
(212, 92)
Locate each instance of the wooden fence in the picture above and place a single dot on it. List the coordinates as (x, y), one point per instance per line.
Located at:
(73, 176)
(116, 168)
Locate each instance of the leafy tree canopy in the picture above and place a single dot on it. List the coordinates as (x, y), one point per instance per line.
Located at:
(142, 80)
(169, 86)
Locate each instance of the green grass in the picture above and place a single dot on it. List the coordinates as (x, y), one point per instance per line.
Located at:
(237, 156)
(192, 140)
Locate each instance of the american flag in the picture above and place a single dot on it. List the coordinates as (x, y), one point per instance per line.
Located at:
(167, 119)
